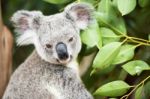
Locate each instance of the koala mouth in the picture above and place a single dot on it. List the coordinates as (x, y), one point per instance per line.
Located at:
(64, 61)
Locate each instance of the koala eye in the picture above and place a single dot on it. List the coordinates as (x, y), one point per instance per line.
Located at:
(70, 39)
(48, 46)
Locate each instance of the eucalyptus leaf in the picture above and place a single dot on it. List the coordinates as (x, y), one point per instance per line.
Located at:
(126, 6)
(149, 37)
(147, 89)
(144, 3)
(108, 15)
(108, 36)
(91, 36)
(104, 71)
(105, 6)
(113, 89)
(57, 1)
(109, 7)
(126, 53)
(106, 55)
(89, 1)
(115, 3)
(116, 23)
(135, 67)
(138, 93)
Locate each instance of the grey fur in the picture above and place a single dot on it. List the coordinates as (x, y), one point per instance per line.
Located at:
(43, 75)
(31, 79)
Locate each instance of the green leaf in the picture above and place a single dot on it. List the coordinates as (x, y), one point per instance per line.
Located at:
(138, 93)
(113, 89)
(149, 37)
(91, 36)
(106, 55)
(147, 89)
(126, 6)
(109, 16)
(126, 53)
(144, 3)
(135, 67)
(114, 22)
(104, 6)
(89, 1)
(115, 3)
(107, 6)
(108, 36)
(57, 1)
(104, 71)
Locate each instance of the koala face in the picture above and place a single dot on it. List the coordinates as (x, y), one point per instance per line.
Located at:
(56, 37)
(58, 40)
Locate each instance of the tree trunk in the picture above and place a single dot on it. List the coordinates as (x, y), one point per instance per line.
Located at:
(6, 42)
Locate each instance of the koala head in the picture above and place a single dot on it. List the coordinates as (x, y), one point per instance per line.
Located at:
(55, 37)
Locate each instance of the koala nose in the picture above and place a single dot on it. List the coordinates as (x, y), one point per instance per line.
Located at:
(61, 50)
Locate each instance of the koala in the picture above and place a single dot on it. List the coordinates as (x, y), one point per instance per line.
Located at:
(51, 71)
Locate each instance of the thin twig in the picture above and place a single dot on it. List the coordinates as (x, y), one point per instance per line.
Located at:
(141, 83)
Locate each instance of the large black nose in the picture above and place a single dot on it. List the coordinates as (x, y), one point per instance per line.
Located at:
(61, 50)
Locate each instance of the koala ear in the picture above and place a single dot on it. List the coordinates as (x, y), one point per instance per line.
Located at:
(80, 13)
(25, 22)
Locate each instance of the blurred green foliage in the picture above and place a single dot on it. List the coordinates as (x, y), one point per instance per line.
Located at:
(114, 36)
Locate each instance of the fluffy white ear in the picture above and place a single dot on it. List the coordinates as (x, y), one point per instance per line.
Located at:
(80, 13)
(25, 23)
